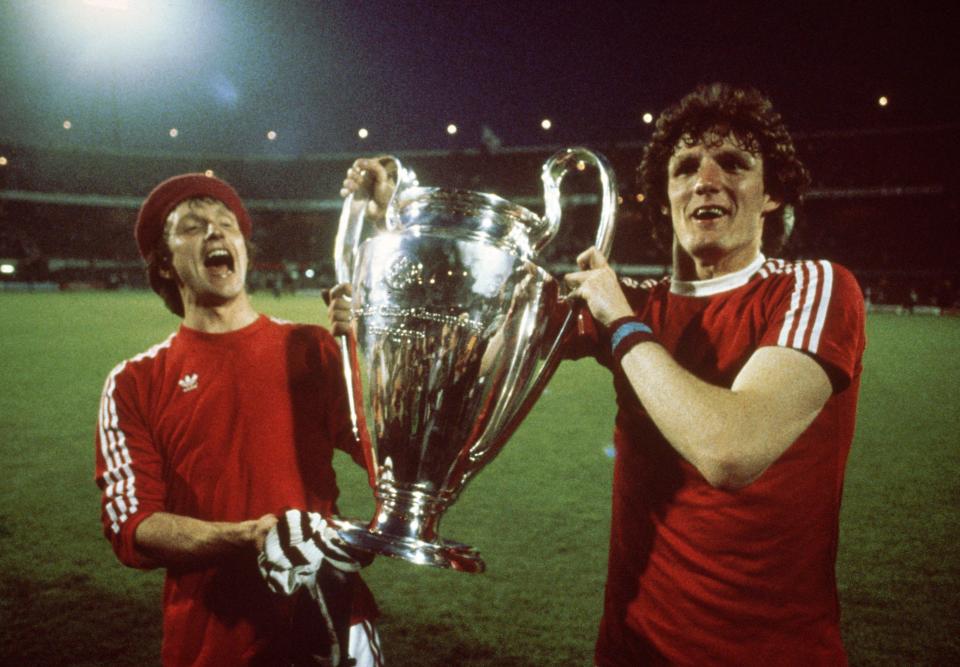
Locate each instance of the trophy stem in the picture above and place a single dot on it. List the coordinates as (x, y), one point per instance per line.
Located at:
(405, 526)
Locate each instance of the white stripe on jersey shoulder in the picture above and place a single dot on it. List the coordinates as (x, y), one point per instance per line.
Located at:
(119, 481)
(154, 350)
(718, 285)
(645, 284)
(809, 302)
(277, 320)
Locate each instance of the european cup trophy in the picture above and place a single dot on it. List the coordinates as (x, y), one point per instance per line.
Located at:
(452, 346)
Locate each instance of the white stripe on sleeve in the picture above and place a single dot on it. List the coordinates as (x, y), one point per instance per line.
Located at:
(801, 319)
(823, 307)
(794, 307)
(120, 487)
(809, 295)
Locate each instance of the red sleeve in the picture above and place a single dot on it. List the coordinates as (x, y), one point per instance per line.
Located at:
(819, 309)
(128, 466)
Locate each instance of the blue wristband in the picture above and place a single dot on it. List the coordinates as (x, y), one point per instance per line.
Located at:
(627, 332)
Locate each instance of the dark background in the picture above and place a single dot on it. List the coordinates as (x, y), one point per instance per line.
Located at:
(225, 72)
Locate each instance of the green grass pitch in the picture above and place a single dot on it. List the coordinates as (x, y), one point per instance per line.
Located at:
(538, 513)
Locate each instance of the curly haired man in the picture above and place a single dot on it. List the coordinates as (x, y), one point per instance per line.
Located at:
(737, 381)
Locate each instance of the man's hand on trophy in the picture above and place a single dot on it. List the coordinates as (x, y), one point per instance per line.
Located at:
(597, 286)
(372, 179)
(339, 308)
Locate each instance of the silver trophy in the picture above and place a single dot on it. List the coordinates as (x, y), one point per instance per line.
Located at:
(456, 336)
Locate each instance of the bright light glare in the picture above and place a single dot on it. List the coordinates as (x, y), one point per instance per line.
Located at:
(581, 165)
(309, 273)
(3, 160)
(648, 118)
(883, 101)
(363, 133)
(67, 124)
(272, 135)
(119, 5)
(174, 132)
(113, 40)
(546, 124)
(208, 173)
(451, 129)
(7, 269)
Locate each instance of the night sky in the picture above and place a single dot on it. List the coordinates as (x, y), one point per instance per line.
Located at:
(224, 73)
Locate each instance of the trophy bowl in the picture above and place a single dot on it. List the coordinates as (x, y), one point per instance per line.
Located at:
(457, 330)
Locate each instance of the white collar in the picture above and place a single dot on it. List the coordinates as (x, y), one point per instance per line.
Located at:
(719, 284)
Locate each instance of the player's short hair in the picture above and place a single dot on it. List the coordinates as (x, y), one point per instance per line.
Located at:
(723, 109)
(159, 259)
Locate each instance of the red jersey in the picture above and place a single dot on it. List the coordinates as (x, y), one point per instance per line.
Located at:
(705, 576)
(223, 427)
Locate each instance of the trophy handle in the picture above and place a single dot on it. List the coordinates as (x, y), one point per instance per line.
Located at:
(353, 214)
(559, 165)
(346, 243)
(554, 169)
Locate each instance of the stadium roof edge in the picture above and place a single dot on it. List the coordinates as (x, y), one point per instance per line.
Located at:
(307, 205)
(299, 205)
(13, 147)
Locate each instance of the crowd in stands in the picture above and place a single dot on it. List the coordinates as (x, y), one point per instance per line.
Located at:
(880, 204)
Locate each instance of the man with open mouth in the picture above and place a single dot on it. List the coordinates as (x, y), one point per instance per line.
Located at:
(215, 446)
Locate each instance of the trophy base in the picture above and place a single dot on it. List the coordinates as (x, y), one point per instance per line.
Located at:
(443, 553)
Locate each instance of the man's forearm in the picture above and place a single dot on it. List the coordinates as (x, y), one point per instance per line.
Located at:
(171, 539)
(730, 435)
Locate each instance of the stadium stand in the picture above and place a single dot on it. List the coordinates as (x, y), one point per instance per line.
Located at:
(881, 203)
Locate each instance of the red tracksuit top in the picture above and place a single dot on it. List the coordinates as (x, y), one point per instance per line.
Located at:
(223, 427)
(703, 576)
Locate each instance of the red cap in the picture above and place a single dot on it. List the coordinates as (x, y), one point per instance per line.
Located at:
(168, 195)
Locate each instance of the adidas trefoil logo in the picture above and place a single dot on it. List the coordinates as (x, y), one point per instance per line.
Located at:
(188, 382)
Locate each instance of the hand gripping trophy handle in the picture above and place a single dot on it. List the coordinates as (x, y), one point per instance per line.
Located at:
(349, 233)
(455, 337)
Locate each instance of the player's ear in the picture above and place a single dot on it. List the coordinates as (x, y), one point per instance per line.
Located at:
(770, 204)
(164, 270)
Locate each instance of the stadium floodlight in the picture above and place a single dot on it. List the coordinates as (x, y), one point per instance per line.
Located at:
(7, 269)
(451, 129)
(3, 160)
(546, 123)
(67, 124)
(174, 132)
(648, 118)
(272, 135)
(883, 100)
(363, 133)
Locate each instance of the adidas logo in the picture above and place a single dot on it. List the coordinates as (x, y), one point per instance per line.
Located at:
(188, 382)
